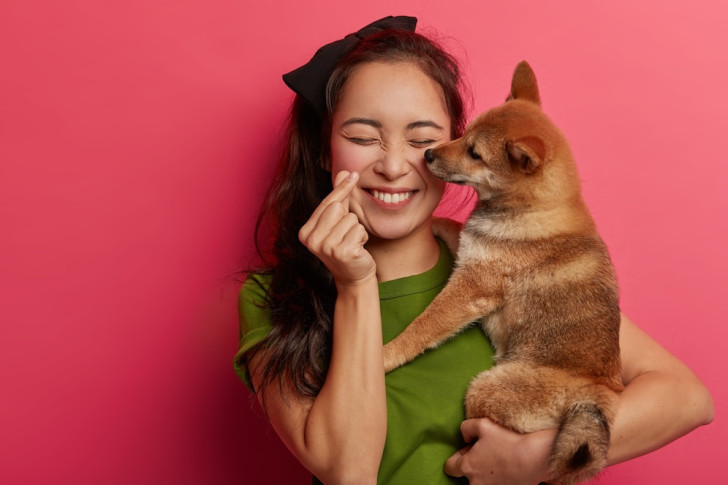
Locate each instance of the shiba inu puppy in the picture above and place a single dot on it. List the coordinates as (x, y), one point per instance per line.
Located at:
(531, 268)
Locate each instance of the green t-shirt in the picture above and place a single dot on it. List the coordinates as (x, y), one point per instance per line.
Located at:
(425, 396)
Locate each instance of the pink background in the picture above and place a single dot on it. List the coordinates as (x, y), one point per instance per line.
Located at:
(135, 142)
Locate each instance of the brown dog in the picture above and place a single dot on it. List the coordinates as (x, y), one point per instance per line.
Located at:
(532, 268)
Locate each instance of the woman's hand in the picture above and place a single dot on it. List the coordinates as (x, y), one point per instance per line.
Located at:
(500, 456)
(336, 237)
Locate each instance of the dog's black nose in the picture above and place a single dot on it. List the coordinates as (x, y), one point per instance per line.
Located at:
(429, 157)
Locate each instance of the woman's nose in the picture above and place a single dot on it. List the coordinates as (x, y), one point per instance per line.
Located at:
(393, 164)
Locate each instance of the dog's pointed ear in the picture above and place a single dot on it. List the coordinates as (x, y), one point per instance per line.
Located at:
(527, 153)
(524, 85)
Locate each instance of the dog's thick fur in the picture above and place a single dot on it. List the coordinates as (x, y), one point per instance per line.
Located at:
(532, 268)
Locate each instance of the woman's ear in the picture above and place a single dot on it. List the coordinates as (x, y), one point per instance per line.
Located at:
(324, 157)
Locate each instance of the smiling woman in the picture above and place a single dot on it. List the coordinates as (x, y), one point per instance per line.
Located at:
(366, 264)
(354, 260)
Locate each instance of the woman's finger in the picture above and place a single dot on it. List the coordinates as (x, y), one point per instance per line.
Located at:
(474, 429)
(355, 238)
(314, 233)
(336, 237)
(345, 183)
(454, 464)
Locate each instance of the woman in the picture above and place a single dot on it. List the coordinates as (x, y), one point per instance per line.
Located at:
(353, 260)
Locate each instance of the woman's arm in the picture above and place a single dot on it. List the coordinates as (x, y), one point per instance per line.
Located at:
(339, 436)
(662, 401)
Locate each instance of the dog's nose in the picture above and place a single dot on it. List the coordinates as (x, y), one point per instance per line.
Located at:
(429, 157)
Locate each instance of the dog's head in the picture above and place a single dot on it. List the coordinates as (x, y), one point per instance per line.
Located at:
(509, 150)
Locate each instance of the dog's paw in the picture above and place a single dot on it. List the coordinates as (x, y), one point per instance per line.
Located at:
(391, 360)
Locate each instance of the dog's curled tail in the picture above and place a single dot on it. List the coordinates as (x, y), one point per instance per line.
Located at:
(581, 445)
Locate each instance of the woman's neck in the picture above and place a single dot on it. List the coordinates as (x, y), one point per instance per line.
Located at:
(397, 258)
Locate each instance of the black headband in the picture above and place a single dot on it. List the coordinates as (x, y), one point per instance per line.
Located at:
(309, 80)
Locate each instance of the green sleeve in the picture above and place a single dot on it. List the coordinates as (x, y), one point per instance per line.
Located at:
(254, 318)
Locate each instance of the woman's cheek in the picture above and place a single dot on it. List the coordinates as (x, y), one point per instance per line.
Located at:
(437, 185)
(349, 156)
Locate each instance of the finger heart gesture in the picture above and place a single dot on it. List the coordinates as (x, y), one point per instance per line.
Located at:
(336, 237)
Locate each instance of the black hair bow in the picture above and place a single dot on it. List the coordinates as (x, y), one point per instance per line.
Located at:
(310, 80)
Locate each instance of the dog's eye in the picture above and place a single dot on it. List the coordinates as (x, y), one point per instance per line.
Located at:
(473, 154)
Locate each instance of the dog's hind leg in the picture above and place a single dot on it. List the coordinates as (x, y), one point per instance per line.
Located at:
(518, 396)
(527, 399)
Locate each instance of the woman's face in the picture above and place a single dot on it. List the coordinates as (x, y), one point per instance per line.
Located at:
(388, 114)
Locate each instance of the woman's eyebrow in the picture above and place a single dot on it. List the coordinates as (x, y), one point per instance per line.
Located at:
(424, 124)
(363, 121)
(377, 124)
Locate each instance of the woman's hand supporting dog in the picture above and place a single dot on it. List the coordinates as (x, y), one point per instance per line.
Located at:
(319, 431)
(662, 401)
(496, 455)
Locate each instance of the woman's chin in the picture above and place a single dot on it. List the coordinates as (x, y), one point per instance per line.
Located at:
(385, 232)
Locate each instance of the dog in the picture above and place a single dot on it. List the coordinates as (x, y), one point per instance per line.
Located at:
(531, 267)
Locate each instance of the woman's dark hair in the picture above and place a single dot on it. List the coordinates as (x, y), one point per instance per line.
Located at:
(301, 293)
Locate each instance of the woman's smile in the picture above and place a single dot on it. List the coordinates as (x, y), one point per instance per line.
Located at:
(391, 198)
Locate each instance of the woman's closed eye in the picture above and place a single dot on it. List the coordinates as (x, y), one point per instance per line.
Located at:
(421, 143)
(362, 140)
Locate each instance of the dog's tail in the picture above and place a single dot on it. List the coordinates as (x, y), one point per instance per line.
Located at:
(581, 445)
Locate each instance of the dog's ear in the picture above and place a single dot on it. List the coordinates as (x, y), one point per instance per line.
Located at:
(523, 84)
(527, 153)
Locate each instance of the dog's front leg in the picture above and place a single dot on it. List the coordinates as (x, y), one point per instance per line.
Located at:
(468, 296)
(449, 231)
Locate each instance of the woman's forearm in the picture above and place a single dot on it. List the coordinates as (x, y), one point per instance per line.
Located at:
(662, 401)
(347, 423)
(656, 408)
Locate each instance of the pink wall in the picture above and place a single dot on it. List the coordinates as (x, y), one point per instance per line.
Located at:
(135, 138)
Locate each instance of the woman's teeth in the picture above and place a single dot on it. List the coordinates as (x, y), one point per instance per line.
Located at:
(389, 198)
